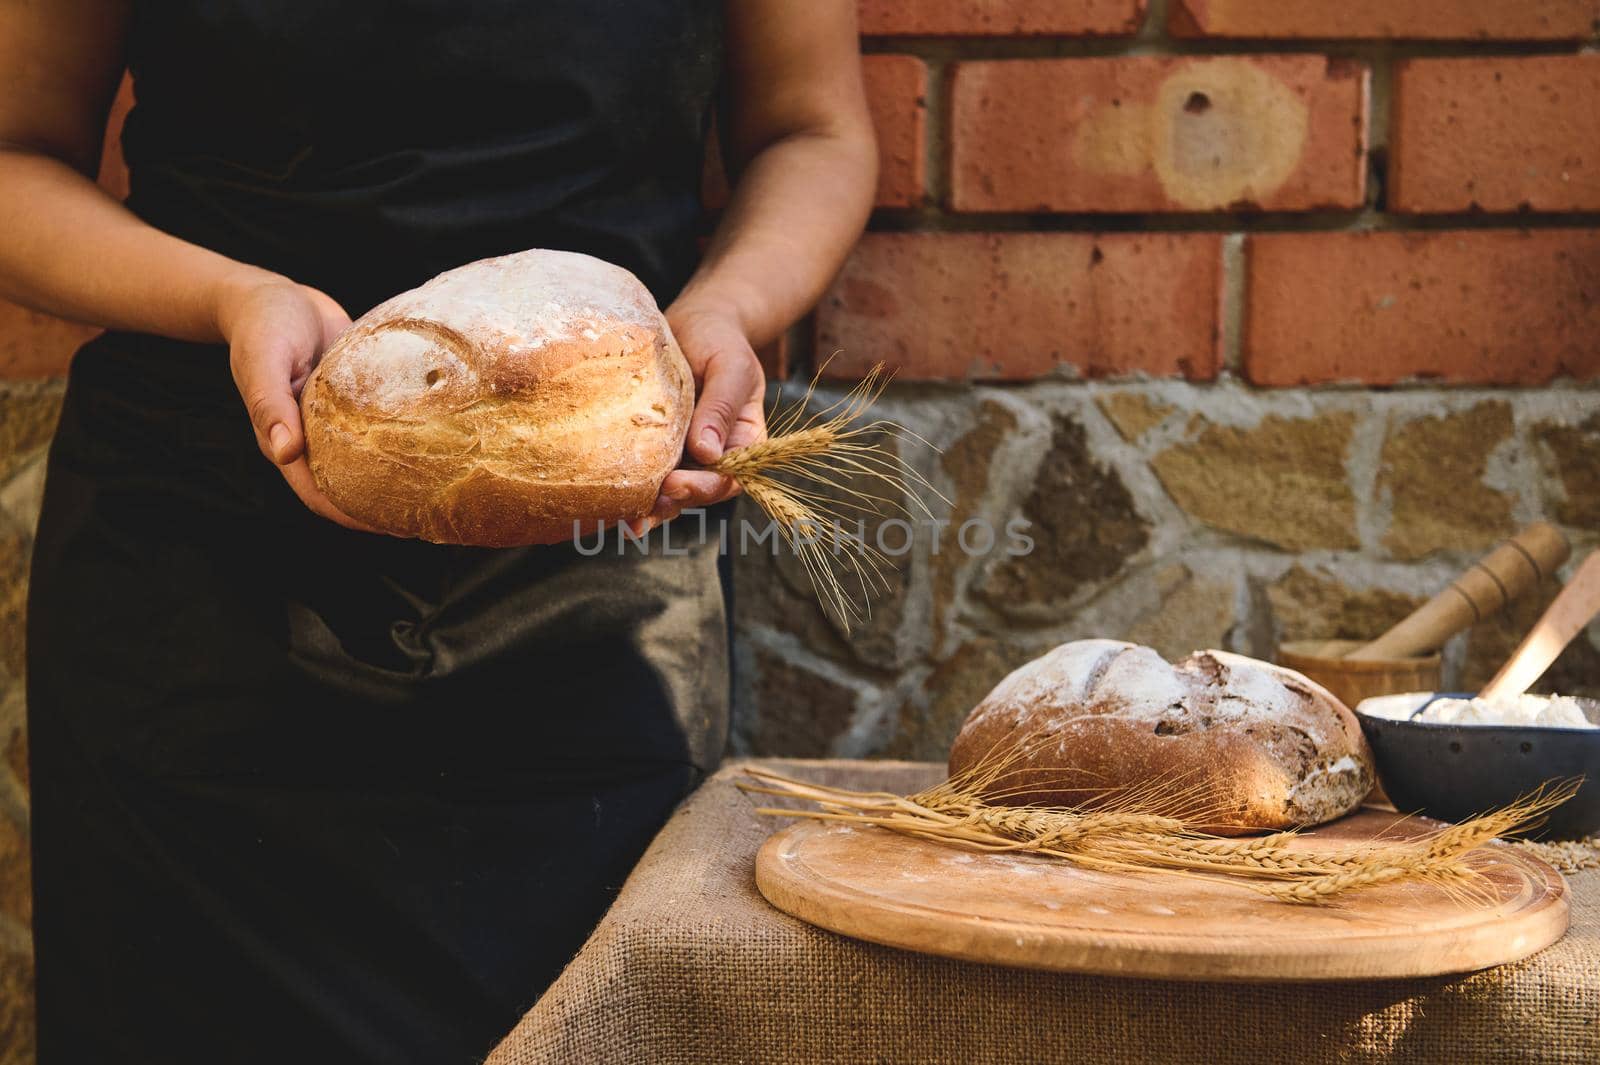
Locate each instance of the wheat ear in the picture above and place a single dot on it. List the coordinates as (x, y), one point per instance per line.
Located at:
(809, 453)
(1132, 829)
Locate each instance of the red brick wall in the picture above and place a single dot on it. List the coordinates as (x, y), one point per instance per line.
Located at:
(1470, 126)
(1371, 192)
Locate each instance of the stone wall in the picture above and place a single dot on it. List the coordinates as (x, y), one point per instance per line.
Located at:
(34, 351)
(1267, 317)
(28, 412)
(1175, 514)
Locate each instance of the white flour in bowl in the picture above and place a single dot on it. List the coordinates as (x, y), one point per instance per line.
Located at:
(1549, 711)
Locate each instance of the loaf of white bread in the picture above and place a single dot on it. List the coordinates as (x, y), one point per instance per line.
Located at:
(502, 403)
(1232, 743)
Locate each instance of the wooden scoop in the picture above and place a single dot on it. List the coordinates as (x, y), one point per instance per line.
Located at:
(1573, 609)
(1493, 581)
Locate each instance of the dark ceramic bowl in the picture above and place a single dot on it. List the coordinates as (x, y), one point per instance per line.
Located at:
(1454, 772)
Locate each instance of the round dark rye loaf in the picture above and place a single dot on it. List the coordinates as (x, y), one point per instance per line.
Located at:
(1233, 744)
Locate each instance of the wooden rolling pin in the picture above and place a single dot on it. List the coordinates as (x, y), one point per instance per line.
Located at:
(1508, 571)
(1573, 609)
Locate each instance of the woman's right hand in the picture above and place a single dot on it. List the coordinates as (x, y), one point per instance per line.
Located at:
(276, 331)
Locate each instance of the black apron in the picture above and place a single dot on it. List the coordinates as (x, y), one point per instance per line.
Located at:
(302, 794)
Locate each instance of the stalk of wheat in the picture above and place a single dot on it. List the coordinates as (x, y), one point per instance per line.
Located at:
(1134, 830)
(817, 470)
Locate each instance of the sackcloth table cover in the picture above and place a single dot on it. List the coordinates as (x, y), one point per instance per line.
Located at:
(692, 965)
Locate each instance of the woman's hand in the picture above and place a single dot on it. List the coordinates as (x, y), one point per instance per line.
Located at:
(276, 331)
(799, 145)
(730, 390)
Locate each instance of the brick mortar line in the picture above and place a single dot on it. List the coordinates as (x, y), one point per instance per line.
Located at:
(1374, 511)
(1413, 385)
(936, 134)
(1132, 46)
(936, 220)
(1511, 467)
(1462, 391)
(1231, 304)
(1380, 120)
(1153, 28)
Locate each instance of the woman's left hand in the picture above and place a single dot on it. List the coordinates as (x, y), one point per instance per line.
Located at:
(730, 390)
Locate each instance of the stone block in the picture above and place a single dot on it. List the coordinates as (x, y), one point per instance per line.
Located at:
(1432, 469)
(1281, 481)
(1083, 523)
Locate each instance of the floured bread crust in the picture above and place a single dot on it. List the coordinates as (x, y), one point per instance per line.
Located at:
(500, 403)
(1249, 745)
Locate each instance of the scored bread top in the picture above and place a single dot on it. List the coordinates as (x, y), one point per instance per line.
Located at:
(503, 326)
(501, 402)
(1256, 745)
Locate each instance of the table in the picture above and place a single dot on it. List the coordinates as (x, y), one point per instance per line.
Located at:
(691, 965)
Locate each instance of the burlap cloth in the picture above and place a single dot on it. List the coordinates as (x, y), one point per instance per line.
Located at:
(693, 966)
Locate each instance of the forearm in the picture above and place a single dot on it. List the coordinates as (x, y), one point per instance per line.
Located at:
(71, 250)
(798, 208)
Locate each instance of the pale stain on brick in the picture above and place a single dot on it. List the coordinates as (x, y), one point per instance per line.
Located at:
(1226, 132)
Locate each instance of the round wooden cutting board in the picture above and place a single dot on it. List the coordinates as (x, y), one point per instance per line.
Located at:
(1045, 913)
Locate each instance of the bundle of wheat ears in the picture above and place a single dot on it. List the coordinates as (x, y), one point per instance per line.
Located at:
(819, 470)
(1150, 829)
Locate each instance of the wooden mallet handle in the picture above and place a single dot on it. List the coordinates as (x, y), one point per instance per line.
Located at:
(1493, 581)
(1563, 619)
